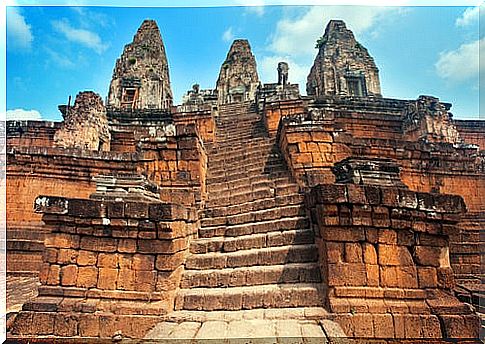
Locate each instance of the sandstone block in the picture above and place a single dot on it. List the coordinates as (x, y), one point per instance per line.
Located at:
(108, 260)
(67, 256)
(427, 277)
(127, 245)
(145, 281)
(369, 253)
(169, 262)
(394, 255)
(43, 323)
(143, 262)
(88, 325)
(50, 255)
(126, 279)
(356, 194)
(383, 326)
(86, 258)
(107, 278)
(98, 244)
(53, 277)
(69, 275)
(372, 275)
(390, 196)
(372, 194)
(65, 325)
(429, 255)
(363, 325)
(353, 253)
(347, 274)
(87, 277)
(334, 252)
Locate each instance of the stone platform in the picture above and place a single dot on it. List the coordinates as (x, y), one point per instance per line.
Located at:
(287, 325)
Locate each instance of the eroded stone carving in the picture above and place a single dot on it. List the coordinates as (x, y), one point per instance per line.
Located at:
(429, 119)
(85, 124)
(283, 73)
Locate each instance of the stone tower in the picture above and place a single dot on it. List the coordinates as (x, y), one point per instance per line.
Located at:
(140, 77)
(238, 79)
(343, 66)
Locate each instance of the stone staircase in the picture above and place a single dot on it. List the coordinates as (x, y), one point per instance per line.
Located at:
(255, 248)
(255, 257)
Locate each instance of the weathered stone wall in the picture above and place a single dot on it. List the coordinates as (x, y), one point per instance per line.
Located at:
(32, 171)
(373, 129)
(31, 133)
(472, 132)
(178, 164)
(238, 79)
(275, 110)
(141, 76)
(308, 142)
(202, 116)
(384, 254)
(342, 66)
(109, 266)
(427, 119)
(85, 124)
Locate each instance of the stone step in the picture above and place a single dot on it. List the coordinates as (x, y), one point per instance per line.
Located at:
(275, 189)
(294, 313)
(287, 223)
(249, 185)
(246, 242)
(254, 275)
(248, 181)
(25, 245)
(243, 167)
(271, 174)
(256, 216)
(239, 148)
(255, 154)
(238, 298)
(260, 204)
(253, 257)
(255, 192)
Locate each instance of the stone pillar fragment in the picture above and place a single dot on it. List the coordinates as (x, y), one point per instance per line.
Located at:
(85, 124)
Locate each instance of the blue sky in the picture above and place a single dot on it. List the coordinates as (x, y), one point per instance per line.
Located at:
(54, 52)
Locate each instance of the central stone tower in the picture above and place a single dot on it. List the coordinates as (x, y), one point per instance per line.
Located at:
(238, 79)
(343, 66)
(140, 77)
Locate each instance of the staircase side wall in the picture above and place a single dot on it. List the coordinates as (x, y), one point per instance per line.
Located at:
(384, 257)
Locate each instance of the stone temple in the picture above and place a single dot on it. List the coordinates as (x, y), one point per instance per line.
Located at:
(248, 211)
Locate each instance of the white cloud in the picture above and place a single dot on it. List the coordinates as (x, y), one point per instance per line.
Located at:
(257, 10)
(255, 7)
(85, 37)
(228, 35)
(59, 59)
(463, 63)
(23, 115)
(297, 36)
(19, 33)
(469, 16)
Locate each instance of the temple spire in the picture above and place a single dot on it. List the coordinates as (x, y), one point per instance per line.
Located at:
(141, 77)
